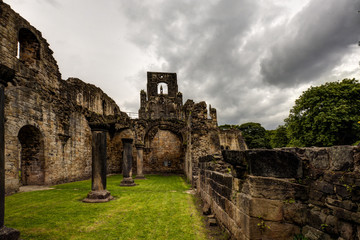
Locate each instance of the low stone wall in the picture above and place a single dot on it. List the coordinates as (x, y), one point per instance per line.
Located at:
(277, 194)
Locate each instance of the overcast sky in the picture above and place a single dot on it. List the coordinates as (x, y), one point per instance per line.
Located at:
(250, 59)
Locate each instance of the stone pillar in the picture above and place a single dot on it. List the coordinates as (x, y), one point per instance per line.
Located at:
(127, 163)
(98, 184)
(6, 75)
(139, 161)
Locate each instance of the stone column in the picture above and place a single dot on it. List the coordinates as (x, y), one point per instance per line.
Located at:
(98, 184)
(6, 75)
(139, 161)
(127, 163)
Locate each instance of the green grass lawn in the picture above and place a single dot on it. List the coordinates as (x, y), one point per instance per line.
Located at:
(157, 208)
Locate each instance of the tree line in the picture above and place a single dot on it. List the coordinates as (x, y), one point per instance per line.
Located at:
(322, 116)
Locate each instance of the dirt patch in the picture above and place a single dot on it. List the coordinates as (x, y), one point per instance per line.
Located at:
(31, 188)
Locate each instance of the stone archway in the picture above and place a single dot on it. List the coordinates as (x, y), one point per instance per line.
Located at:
(163, 153)
(32, 163)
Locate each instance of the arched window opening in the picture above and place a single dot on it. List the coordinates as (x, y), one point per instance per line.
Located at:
(28, 46)
(32, 162)
(162, 88)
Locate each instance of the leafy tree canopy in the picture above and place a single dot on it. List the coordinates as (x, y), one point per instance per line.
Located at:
(326, 115)
(254, 135)
(278, 137)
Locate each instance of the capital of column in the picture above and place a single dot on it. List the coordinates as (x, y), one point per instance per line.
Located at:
(139, 145)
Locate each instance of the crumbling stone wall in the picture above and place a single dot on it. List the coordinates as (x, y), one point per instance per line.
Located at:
(156, 104)
(57, 111)
(276, 194)
(163, 119)
(232, 139)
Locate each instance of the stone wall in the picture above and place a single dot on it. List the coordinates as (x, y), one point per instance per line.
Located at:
(47, 135)
(232, 139)
(277, 194)
(166, 155)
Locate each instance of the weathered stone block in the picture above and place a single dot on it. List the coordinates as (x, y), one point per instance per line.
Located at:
(346, 204)
(271, 210)
(346, 215)
(260, 229)
(346, 230)
(315, 218)
(342, 191)
(316, 196)
(315, 234)
(323, 186)
(341, 158)
(318, 158)
(274, 188)
(296, 213)
(273, 163)
(243, 203)
(332, 224)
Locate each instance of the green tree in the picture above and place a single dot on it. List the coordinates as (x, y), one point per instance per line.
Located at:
(278, 137)
(326, 115)
(254, 135)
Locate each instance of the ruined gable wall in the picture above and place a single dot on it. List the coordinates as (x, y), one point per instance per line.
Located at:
(275, 194)
(58, 109)
(232, 139)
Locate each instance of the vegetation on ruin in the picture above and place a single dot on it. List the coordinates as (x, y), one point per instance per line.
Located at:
(158, 208)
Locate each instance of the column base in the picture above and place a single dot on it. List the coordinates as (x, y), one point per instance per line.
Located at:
(9, 233)
(140, 176)
(98, 197)
(127, 182)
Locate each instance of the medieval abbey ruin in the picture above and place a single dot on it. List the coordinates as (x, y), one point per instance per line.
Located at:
(50, 124)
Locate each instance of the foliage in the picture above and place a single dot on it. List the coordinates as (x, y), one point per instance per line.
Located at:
(157, 208)
(300, 237)
(326, 115)
(254, 135)
(278, 137)
(324, 226)
(262, 225)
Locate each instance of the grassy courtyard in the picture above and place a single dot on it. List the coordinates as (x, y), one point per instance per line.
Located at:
(158, 208)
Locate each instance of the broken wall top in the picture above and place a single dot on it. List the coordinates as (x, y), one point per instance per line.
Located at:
(34, 59)
(154, 78)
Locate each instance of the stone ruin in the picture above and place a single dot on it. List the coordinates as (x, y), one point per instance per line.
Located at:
(49, 120)
(53, 128)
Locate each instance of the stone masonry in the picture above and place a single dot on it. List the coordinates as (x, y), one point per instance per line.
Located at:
(46, 126)
(276, 194)
(47, 118)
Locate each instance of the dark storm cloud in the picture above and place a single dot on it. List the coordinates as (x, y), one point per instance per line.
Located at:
(313, 42)
(212, 45)
(234, 54)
